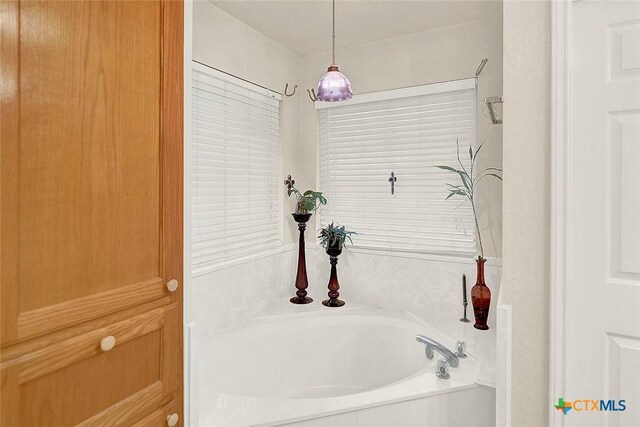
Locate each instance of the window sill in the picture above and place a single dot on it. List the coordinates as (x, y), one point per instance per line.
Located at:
(458, 258)
(238, 261)
(432, 256)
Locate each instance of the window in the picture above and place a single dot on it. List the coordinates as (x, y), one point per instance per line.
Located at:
(235, 166)
(408, 132)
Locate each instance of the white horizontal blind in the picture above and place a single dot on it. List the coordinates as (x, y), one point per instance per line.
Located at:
(362, 142)
(236, 200)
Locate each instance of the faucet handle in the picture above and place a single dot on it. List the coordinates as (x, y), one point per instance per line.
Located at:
(428, 351)
(462, 346)
(443, 369)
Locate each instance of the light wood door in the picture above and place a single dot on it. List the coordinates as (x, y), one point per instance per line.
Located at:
(91, 204)
(110, 375)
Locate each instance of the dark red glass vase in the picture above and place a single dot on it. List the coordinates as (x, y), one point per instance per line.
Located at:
(480, 297)
(302, 283)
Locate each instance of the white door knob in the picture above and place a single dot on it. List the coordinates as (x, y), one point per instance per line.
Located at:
(107, 343)
(172, 420)
(172, 285)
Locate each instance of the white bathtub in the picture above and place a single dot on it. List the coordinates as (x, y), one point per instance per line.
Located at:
(286, 369)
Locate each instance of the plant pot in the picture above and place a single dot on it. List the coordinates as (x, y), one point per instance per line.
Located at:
(334, 250)
(480, 297)
(301, 217)
(302, 283)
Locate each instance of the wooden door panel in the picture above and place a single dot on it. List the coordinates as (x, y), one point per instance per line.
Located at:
(71, 312)
(90, 210)
(82, 153)
(95, 134)
(75, 381)
(158, 418)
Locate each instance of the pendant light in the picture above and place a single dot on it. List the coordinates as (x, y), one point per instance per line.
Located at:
(334, 86)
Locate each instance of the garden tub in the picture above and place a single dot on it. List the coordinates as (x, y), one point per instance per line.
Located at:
(289, 368)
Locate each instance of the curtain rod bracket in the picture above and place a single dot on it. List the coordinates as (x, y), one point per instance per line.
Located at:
(481, 66)
(286, 88)
(312, 95)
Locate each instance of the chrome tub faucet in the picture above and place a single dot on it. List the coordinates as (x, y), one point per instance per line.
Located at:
(432, 345)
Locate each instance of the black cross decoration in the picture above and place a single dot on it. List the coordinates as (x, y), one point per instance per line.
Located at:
(392, 179)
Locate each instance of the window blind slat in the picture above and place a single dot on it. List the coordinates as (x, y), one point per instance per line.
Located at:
(235, 170)
(361, 143)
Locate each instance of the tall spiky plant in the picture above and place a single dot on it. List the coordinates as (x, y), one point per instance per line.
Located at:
(332, 234)
(470, 180)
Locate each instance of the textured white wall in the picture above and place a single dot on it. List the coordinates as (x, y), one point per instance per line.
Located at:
(429, 288)
(525, 280)
(224, 42)
(446, 53)
(230, 296)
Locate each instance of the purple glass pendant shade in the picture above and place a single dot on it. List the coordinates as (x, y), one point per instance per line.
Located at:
(334, 86)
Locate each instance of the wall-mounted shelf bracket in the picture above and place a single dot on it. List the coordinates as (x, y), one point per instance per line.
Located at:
(491, 105)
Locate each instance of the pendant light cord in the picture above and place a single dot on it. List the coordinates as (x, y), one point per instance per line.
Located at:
(333, 36)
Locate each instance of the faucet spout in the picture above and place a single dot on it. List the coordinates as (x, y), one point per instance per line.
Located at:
(432, 345)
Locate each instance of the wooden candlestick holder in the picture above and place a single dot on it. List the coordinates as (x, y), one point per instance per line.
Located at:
(333, 285)
(301, 277)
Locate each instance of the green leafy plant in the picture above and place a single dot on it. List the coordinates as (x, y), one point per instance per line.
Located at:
(308, 201)
(334, 234)
(469, 181)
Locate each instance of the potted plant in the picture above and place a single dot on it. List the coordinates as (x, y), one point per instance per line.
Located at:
(469, 180)
(306, 204)
(333, 238)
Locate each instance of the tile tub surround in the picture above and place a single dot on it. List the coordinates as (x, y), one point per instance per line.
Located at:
(428, 288)
(228, 299)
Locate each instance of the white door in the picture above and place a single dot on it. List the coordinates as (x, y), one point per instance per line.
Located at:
(602, 335)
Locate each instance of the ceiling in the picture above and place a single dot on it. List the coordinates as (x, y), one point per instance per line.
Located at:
(304, 26)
